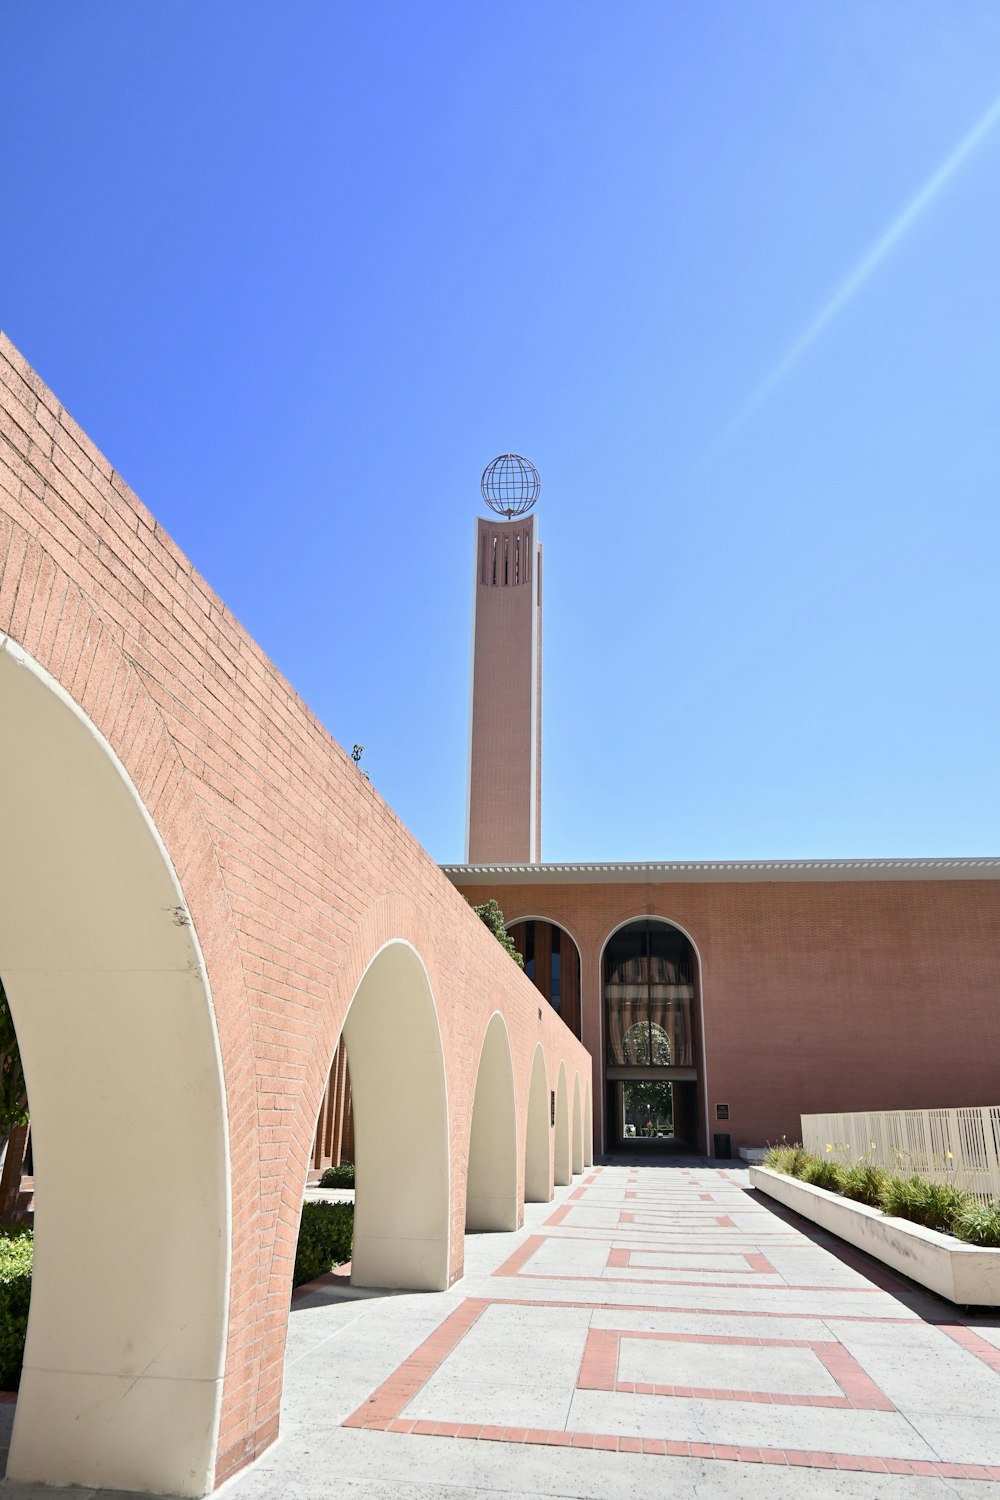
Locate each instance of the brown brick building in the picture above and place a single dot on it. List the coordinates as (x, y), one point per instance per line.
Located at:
(775, 989)
(757, 990)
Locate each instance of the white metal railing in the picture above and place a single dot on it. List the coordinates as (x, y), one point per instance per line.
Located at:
(960, 1146)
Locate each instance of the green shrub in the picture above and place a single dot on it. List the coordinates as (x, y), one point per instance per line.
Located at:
(16, 1247)
(979, 1223)
(786, 1158)
(933, 1204)
(822, 1173)
(865, 1183)
(342, 1176)
(325, 1237)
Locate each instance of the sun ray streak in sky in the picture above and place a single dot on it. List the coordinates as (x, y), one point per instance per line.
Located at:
(882, 247)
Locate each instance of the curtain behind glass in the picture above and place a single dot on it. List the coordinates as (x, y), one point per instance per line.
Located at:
(649, 997)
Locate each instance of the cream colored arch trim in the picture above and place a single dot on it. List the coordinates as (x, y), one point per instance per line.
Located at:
(537, 1147)
(125, 1355)
(563, 1161)
(577, 1123)
(402, 1215)
(491, 1195)
(588, 1126)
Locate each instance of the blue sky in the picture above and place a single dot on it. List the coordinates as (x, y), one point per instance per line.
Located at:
(302, 271)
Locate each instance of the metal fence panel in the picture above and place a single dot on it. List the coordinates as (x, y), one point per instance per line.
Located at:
(960, 1146)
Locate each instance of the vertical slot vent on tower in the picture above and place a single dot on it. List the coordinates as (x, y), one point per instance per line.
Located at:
(517, 558)
(494, 561)
(506, 560)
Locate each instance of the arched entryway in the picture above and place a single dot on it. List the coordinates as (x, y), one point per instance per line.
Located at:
(577, 1126)
(491, 1196)
(563, 1156)
(537, 1152)
(552, 963)
(103, 970)
(588, 1127)
(401, 1149)
(650, 1001)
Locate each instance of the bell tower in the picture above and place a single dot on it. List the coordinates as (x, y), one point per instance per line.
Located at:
(504, 824)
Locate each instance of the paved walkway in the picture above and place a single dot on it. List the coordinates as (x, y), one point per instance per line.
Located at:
(657, 1330)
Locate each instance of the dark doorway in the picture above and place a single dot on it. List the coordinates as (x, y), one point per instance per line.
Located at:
(650, 999)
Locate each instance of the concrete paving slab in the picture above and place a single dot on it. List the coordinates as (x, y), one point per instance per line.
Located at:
(726, 1367)
(797, 1375)
(804, 1428)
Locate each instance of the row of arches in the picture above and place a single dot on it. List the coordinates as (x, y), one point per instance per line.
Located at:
(401, 1129)
(121, 1041)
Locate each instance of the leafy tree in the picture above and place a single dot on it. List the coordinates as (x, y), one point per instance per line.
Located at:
(651, 1094)
(490, 914)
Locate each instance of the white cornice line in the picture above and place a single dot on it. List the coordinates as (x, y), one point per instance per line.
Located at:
(987, 868)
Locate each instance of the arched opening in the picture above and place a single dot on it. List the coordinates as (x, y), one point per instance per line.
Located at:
(125, 1353)
(563, 1162)
(16, 1178)
(491, 1198)
(537, 1158)
(577, 1126)
(588, 1127)
(401, 1211)
(552, 963)
(650, 980)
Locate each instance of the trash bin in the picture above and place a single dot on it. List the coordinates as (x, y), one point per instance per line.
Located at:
(722, 1146)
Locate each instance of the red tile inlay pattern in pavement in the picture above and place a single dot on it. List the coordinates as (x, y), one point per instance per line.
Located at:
(599, 1371)
(619, 1258)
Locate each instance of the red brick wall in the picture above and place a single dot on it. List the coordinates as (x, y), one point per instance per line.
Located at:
(817, 996)
(294, 869)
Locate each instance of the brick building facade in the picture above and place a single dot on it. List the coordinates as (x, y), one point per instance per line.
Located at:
(758, 990)
(819, 985)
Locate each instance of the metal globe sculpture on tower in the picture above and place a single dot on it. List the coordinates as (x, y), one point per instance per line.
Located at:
(510, 485)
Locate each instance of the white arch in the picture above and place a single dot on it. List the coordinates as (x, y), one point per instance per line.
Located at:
(402, 1217)
(126, 1343)
(563, 1162)
(577, 1127)
(491, 1195)
(645, 916)
(537, 1152)
(588, 1126)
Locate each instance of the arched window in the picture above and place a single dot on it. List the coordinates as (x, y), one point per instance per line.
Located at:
(649, 992)
(552, 963)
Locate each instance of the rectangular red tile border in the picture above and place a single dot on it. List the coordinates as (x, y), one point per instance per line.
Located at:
(384, 1406)
(696, 1312)
(757, 1264)
(972, 1342)
(620, 1259)
(559, 1214)
(513, 1264)
(801, 1458)
(381, 1412)
(599, 1371)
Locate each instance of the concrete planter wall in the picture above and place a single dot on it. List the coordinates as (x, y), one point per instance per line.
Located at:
(966, 1274)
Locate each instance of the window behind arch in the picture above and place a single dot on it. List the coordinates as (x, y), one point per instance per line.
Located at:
(649, 977)
(552, 963)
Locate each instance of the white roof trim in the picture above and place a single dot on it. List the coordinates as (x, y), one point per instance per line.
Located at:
(683, 871)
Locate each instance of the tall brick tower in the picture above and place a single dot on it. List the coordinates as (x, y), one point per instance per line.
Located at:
(505, 730)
